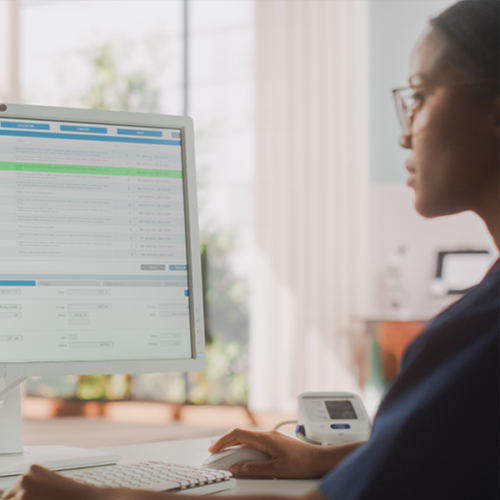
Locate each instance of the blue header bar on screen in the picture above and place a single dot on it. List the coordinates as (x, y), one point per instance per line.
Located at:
(88, 137)
(88, 130)
(17, 283)
(143, 133)
(25, 125)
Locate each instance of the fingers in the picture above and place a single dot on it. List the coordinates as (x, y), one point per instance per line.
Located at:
(41, 484)
(38, 476)
(10, 494)
(240, 436)
(38, 472)
(252, 469)
(237, 436)
(34, 473)
(225, 441)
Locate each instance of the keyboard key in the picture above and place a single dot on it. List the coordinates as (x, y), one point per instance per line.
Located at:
(154, 475)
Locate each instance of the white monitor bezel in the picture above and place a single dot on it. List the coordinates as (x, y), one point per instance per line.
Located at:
(185, 124)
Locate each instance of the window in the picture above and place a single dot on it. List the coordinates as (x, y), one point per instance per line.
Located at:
(80, 53)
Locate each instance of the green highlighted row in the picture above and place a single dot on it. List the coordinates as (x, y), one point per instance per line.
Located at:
(79, 169)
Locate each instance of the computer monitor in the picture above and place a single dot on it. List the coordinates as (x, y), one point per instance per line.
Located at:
(459, 270)
(99, 253)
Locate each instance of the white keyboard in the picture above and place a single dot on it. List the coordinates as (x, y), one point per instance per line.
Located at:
(154, 475)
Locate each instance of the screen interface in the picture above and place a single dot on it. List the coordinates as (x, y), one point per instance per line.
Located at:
(93, 261)
(341, 410)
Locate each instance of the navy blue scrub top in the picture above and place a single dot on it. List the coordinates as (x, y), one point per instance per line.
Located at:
(436, 434)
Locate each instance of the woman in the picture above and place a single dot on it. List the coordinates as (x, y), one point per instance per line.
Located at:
(436, 434)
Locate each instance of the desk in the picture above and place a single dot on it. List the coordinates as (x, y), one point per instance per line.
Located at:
(194, 452)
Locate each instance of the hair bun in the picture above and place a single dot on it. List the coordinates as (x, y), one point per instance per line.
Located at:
(473, 28)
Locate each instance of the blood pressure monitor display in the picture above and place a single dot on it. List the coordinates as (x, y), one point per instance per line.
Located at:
(340, 410)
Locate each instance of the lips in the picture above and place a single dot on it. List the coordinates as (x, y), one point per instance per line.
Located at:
(410, 167)
(412, 171)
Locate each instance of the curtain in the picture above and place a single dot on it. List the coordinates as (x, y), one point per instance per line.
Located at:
(309, 283)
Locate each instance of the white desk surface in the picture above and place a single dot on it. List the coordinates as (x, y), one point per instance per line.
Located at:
(194, 452)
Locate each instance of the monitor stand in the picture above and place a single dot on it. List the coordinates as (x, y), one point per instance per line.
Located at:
(16, 459)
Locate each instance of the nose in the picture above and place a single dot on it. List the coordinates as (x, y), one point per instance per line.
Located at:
(405, 140)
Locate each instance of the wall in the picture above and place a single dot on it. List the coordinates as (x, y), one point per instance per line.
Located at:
(394, 28)
(9, 51)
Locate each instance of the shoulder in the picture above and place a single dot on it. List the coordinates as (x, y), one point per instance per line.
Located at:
(436, 434)
(461, 343)
(467, 322)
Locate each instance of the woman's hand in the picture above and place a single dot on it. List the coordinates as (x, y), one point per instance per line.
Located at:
(290, 458)
(42, 484)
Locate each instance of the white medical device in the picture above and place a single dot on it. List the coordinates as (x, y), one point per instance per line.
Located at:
(332, 418)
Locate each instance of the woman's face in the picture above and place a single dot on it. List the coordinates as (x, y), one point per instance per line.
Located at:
(454, 136)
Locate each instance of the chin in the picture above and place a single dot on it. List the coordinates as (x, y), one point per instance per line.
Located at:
(427, 214)
(432, 208)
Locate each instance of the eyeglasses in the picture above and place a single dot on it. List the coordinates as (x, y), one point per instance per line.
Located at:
(405, 105)
(406, 99)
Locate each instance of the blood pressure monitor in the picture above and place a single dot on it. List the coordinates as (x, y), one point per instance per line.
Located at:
(332, 418)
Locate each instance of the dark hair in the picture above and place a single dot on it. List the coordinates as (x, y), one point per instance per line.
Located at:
(471, 30)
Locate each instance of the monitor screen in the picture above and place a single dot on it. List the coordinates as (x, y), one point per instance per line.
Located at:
(93, 259)
(340, 410)
(461, 270)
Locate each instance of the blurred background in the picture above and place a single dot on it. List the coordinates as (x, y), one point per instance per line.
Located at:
(317, 269)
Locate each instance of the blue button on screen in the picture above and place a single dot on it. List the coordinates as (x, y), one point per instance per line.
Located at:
(340, 426)
(145, 133)
(78, 128)
(27, 125)
(178, 267)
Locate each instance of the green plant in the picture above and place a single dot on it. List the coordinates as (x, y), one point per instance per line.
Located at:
(109, 89)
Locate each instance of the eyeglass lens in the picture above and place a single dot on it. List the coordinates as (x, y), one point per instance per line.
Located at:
(404, 104)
